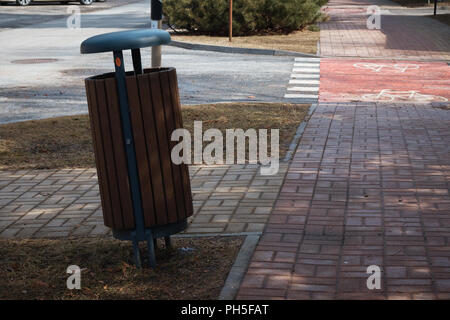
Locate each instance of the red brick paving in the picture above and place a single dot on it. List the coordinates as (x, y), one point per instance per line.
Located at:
(369, 185)
(369, 182)
(412, 37)
(350, 80)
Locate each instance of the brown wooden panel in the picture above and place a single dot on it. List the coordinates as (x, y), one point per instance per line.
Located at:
(178, 123)
(141, 152)
(152, 149)
(170, 124)
(163, 142)
(99, 154)
(155, 112)
(109, 153)
(119, 153)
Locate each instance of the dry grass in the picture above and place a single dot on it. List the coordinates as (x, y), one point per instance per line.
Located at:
(36, 269)
(66, 142)
(300, 41)
(44, 144)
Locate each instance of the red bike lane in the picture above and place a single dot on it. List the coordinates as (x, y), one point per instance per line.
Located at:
(351, 80)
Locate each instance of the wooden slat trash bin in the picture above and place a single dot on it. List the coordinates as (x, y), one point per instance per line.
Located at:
(144, 195)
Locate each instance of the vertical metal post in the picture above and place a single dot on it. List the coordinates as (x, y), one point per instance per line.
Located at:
(230, 31)
(156, 51)
(435, 7)
(130, 152)
(156, 16)
(137, 63)
(137, 254)
(151, 249)
(168, 243)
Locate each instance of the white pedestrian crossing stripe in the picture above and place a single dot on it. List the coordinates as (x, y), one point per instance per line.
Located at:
(307, 59)
(301, 96)
(305, 80)
(305, 76)
(305, 64)
(306, 70)
(304, 89)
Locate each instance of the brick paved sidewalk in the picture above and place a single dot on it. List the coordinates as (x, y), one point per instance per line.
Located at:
(369, 182)
(369, 185)
(61, 203)
(401, 36)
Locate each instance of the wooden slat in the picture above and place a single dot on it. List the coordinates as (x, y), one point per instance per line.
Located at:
(99, 154)
(170, 124)
(141, 152)
(119, 153)
(178, 119)
(109, 154)
(152, 149)
(155, 113)
(164, 151)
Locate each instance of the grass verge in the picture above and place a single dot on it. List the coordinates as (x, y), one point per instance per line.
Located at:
(196, 268)
(66, 142)
(299, 41)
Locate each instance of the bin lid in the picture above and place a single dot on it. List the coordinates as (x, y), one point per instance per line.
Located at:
(123, 40)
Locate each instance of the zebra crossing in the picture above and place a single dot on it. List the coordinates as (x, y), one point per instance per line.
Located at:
(305, 80)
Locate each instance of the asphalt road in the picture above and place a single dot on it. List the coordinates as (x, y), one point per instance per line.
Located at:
(31, 90)
(13, 16)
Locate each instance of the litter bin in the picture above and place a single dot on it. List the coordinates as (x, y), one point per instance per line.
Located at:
(144, 195)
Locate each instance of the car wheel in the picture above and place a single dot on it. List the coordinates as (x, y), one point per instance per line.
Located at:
(86, 2)
(23, 2)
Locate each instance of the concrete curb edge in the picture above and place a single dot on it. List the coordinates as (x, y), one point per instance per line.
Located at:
(239, 268)
(265, 52)
(296, 139)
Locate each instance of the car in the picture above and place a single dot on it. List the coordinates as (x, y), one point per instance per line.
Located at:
(27, 2)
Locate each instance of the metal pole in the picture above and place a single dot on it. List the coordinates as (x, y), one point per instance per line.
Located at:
(156, 51)
(230, 33)
(130, 149)
(435, 6)
(156, 16)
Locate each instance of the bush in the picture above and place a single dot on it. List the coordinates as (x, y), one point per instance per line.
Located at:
(249, 16)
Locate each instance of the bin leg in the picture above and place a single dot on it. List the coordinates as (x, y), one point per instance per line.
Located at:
(137, 254)
(151, 251)
(168, 243)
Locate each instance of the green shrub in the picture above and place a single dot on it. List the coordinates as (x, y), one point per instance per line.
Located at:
(249, 16)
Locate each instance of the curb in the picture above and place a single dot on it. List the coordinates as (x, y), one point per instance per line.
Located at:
(264, 52)
(237, 272)
(296, 139)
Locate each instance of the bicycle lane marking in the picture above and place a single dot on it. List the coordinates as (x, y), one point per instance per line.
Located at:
(347, 80)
